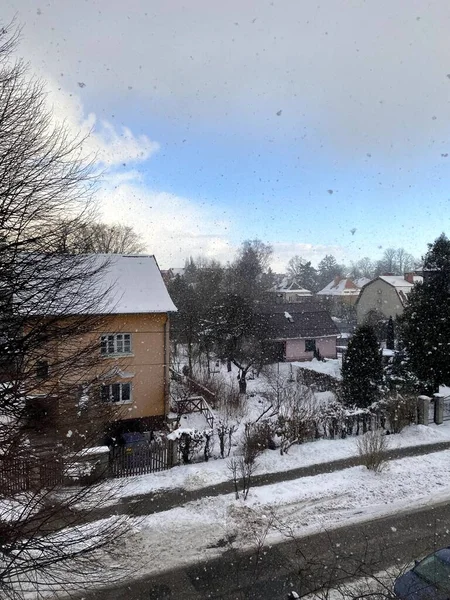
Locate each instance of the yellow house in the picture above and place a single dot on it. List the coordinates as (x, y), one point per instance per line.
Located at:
(134, 340)
(126, 371)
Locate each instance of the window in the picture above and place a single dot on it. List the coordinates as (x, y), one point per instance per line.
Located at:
(115, 343)
(310, 345)
(116, 392)
(42, 369)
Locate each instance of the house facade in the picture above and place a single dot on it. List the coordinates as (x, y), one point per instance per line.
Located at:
(384, 297)
(127, 371)
(134, 342)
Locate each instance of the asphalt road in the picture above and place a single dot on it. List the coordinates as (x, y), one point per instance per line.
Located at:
(301, 565)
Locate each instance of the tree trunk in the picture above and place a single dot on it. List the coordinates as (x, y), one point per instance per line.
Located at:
(190, 358)
(243, 383)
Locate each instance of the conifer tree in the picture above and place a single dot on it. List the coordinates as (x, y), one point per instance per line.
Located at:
(362, 369)
(425, 323)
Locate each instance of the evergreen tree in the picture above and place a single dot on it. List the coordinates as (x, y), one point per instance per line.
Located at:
(362, 369)
(425, 323)
(390, 335)
(249, 276)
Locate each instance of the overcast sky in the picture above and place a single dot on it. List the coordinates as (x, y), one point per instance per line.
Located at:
(318, 126)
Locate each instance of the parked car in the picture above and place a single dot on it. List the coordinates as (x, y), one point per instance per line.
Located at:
(429, 579)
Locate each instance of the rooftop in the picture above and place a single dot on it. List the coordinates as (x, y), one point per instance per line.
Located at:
(134, 285)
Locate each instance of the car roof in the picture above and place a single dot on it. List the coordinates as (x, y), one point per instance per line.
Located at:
(443, 554)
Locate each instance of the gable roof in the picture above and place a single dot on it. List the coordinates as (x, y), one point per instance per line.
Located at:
(340, 287)
(290, 285)
(134, 284)
(361, 281)
(401, 286)
(396, 281)
(291, 322)
(63, 285)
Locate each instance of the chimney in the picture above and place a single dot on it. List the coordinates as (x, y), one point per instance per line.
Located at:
(409, 277)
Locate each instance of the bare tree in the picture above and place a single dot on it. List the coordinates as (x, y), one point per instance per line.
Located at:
(98, 238)
(302, 272)
(49, 351)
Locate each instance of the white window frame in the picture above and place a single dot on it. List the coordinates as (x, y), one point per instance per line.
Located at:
(121, 386)
(114, 344)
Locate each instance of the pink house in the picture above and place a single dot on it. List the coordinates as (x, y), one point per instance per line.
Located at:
(301, 334)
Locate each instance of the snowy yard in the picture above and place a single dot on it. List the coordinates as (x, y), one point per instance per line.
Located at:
(301, 507)
(206, 528)
(204, 474)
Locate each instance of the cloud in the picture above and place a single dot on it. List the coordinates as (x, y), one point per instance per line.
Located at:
(110, 145)
(172, 227)
(358, 76)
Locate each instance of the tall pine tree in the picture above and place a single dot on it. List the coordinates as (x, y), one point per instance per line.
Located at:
(362, 369)
(425, 323)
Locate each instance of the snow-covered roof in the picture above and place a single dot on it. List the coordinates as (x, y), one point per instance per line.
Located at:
(397, 281)
(402, 287)
(63, 285)
(340, 287)
(298, 291)
(134, 285)
(361, 281)
(288, 285)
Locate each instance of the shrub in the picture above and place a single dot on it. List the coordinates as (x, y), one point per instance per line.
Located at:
(400, 411)
(372, 448)
(257, 438)
(320, 381)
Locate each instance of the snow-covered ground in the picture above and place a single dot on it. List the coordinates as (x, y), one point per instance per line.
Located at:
(329, 366)
(196, 531)
(204, 474)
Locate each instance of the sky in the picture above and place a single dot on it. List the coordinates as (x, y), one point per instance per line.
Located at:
(320, 127)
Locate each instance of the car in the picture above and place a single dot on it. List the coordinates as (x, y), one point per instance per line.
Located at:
(429, 579)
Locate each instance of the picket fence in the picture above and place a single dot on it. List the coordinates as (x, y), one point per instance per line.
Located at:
(141, 458)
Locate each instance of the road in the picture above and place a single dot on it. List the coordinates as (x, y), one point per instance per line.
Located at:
(300, 564)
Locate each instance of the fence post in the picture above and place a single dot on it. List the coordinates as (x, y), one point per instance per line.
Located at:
(423, 407)
(438, 408)
(172, 453)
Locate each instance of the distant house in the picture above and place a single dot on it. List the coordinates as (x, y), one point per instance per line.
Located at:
(385, 296)
(341, 288)
(287, 290)
(361, 281)
(296, 334)
(169, 274)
